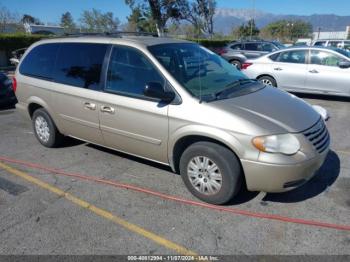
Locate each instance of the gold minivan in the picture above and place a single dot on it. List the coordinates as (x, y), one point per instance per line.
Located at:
(173, 102)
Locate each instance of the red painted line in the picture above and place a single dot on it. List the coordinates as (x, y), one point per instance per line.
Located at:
(178, 199)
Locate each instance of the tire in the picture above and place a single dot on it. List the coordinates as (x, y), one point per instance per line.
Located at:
(50, 136)
(237, 64)
(227, 164)
(268, 80)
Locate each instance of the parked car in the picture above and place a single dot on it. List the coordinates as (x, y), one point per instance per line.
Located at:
(173, 102)
(7, 95)
(304, 69)
(237, 52)
(337, 43)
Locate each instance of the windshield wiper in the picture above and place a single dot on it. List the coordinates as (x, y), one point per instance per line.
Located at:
(232, 87)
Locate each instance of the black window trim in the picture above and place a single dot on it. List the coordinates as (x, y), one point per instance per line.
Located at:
(44, 78)
(167, 86)
(307, 56)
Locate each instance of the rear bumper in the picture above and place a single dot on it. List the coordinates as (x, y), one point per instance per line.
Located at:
(8, 98)
(22, 109)
(280, 178)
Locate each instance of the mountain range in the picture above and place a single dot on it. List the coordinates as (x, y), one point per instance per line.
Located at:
(226, 19)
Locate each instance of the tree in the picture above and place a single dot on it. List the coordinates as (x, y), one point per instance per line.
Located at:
(140, 20)
(246, 30)
(96, 21)
(28, 19)
(287, 30)
(161, 10)
(6, 17)
(200, 13)
(67, 22)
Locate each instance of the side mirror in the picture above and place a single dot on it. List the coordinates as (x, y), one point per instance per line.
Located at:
(156, 90)
(344, 64)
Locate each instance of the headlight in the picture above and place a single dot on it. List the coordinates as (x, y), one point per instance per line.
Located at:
(286, 144)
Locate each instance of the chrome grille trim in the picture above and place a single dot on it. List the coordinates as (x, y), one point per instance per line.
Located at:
(318, 136)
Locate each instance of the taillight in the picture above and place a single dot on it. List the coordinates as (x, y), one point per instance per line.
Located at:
(14, 84)
(222, 51)
(246, 65)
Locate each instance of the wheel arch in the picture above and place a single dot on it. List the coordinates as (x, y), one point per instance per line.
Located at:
(184, 138)
(35, 103)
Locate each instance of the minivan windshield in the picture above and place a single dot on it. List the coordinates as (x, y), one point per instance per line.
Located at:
(203, 73)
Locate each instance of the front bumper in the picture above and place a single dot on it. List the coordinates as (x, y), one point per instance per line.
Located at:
(268, 177)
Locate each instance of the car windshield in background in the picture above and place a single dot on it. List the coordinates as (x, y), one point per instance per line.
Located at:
(203, 73)
(344, 52)
(279, 45)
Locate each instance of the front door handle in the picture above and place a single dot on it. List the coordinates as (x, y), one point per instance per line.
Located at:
(314, 71)
(90, 106)
(107, 109)
(278, 69)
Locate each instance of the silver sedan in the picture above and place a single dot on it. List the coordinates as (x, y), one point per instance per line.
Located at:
(304, 69)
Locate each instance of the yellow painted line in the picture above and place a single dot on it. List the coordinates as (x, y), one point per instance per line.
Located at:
(100, 212)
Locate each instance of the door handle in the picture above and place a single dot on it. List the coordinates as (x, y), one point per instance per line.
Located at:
(278, 69)
(90, 106)
(107, 109)
(314, 71)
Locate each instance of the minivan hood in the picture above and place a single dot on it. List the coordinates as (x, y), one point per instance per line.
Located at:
(273, 110)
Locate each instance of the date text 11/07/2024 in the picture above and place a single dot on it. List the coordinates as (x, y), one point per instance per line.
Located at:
(172, 258)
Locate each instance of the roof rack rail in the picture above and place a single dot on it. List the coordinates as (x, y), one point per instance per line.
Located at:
(115, 34)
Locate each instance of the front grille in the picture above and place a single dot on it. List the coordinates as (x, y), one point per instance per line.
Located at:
(318, 136)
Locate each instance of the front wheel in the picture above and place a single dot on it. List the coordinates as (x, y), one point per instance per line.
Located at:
(211, 172)
(268, 80)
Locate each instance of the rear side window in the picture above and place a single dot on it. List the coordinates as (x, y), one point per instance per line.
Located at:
(236, 47)
(80, 64)
(274, 57)
(251, 46)
(40, 61)
(294, 57)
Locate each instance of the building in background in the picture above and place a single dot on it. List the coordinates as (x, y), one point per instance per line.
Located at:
(331, 35)
(43, 29)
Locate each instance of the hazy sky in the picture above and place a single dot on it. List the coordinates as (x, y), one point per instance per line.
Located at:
(51, 10)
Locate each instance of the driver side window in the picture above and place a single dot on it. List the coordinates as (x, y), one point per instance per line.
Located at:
(129, 71)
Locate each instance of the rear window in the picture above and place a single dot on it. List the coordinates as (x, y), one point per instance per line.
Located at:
(80, 64)
(40, 61)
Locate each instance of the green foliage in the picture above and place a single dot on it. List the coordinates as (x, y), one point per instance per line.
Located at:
(287, 30)
(96, 21)
(31, 20)
(140, 19)
(67, 22)
(246, 30)
(200, 13)
(10, 42)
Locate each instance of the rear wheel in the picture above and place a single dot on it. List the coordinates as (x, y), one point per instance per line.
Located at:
(237, 64)
(45, 129)
(211, 172)
(268, 80)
